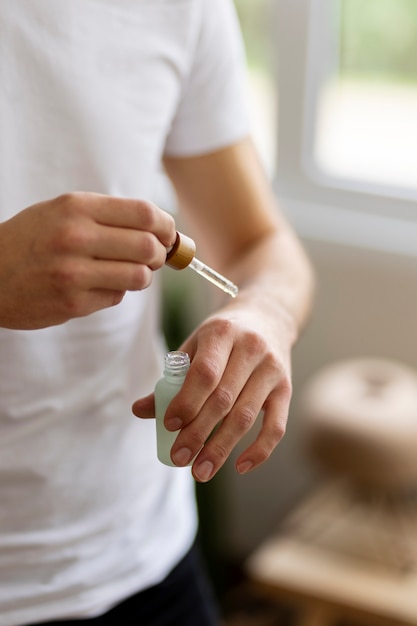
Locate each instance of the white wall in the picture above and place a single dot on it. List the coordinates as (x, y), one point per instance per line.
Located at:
(366, 305)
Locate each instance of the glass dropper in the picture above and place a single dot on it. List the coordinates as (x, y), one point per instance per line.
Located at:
(214, 277)
(181, 255)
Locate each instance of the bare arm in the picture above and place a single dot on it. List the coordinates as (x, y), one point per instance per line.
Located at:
(235, 219)
(241, 355)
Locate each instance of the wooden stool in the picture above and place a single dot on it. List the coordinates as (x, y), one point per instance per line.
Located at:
(349, 552)
(328, 586)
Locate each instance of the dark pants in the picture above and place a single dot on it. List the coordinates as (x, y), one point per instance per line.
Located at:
(184, 598)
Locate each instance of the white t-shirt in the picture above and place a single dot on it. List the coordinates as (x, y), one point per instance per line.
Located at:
(93, 92)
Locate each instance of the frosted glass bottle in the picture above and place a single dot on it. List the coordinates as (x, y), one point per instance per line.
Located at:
(176, 367)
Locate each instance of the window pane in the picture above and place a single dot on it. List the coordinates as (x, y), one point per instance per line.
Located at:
(366, 126)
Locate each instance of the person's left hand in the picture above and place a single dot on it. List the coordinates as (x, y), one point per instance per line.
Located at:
(240, 364)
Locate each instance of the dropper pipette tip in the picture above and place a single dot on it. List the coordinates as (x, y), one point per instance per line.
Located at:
(214, 277)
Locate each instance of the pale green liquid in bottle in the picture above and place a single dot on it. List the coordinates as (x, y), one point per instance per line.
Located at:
(175, 370)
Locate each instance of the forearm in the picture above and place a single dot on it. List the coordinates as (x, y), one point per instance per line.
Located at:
(276, 279)
(240, 231)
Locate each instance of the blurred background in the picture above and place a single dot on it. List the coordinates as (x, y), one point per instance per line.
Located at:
(333, 92)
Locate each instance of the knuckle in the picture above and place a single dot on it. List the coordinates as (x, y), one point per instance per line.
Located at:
(180, 406)
(218, 453)
(262, 454)
(222, 400)
(147, 214)
(66, 276)
(149, 246)
(283, 379)
(73, 307)
(140, 277)
(273, 363)
(170, 221)
(223, 326)
(244, 418)
(278, 432)
(117, 297)
(206, 370)
(71, 203)
(70, 233)
(255, 344)
(286, 387)
(70, 302)
(67, 199)
(66, 282)
(72, 238)
(196, 439)
(169, 226)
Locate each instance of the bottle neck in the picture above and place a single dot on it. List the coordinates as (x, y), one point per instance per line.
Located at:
(176, 366)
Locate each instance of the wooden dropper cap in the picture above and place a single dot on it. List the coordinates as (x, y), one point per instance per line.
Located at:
(181, 253)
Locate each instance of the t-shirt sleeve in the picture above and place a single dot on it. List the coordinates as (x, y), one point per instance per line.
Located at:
(212, 112)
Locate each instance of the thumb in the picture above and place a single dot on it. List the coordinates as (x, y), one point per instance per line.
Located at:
(144, 407)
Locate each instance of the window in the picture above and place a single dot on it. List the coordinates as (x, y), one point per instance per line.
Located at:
(366, 110)
(347, 120)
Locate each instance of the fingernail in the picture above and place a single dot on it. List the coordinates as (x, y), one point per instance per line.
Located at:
(204, 471)
(174, 423)
(244, 467)
(182, 456)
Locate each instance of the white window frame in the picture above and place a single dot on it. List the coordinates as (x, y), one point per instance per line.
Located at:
(322, 206)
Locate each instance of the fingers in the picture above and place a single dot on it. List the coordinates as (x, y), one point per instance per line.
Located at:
(210, 353)
(119, 229)
(133, 246)
(144, 407)
(211, 449)
(75, 254)
(75, 279)
(237, 396)
(233, 376)
(100, 243)
(272, 431)
(234, 425)
(124, 213)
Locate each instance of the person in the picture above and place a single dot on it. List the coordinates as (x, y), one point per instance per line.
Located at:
(95, 97)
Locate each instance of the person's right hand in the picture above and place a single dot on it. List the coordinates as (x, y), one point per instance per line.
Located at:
(76, 254)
